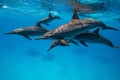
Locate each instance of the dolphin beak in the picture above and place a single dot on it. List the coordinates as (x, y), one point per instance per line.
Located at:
(111, 28)
(37, 38)
(10, 33)
(40, 38)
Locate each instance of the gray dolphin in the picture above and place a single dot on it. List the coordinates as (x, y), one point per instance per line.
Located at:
(84, 38)
(29, 31)
(56, 43)
(48, 19)
(94, 37)
(73, 28)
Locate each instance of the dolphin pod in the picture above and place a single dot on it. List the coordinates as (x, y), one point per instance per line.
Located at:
(34, 30)
(84, 38)
(76, 30)
(75, 27)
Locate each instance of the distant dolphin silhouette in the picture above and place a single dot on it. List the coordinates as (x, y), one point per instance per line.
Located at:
(73, 28)
(88, 8)
(118, 19)
(48, 19)
(29, 31)
(94, 37)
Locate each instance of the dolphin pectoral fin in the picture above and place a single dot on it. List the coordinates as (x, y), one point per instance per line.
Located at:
(82, 42)
(74, 42)
(65, 43)
(47, 24)
(49, 48)
(26, 36)
(54, 44)
(38, 24)
(97, 31)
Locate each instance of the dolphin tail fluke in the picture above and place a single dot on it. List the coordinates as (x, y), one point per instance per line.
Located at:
(116, 47)
(107, 27)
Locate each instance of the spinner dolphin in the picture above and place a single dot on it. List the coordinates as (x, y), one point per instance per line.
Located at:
(75, 27)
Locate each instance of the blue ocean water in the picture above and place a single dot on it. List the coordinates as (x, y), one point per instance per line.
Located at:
(22, 59)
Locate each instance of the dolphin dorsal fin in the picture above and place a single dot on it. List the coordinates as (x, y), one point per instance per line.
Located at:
(50, 15)
(96, 31)
(75, 15)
